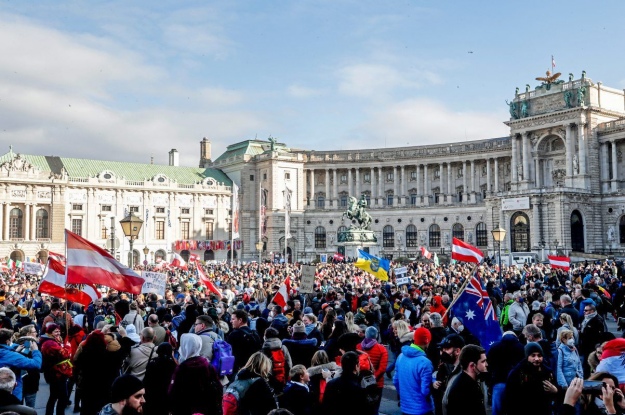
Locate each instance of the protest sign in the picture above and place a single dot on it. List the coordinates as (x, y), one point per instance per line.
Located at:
(154, 282)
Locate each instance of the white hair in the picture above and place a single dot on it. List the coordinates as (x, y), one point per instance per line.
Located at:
(7, 379)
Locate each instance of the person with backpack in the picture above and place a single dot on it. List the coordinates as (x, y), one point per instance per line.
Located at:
(195, 386)
(280, 357)
(157, 380)
(244, 341)
(133, 317)
(379, 359)
(205, 328)
(250, 393)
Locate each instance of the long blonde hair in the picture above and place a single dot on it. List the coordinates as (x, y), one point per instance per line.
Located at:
(349, 322)
(401, 327)
(259, 364)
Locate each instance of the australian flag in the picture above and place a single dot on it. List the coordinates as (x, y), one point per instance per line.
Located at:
(474, 308)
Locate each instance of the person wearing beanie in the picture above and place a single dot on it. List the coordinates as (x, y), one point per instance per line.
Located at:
(413, 376)
(378, 355)
(300, 347)
(530, 378)
(127, 397)
(503, 356)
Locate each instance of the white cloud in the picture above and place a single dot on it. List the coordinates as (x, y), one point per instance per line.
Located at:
(298, 91)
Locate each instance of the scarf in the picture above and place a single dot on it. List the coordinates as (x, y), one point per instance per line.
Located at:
(587, 318)
(309, 329)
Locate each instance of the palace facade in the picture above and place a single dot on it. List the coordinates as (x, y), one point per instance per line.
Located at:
(555, 183)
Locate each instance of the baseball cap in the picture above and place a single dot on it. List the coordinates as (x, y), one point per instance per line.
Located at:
(452, 340)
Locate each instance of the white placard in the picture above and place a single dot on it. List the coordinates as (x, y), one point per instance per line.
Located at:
(155, 282)
(401, 271)
(402, 281)
(307, 283)
(519, 203)
(32, 268)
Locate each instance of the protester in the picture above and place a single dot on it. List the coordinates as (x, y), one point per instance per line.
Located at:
(127, 397)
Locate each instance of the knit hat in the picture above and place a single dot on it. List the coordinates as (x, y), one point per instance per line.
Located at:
(422, 336)
(50, 327)
(308, 310)
(533, 347)
(124, 387)
(536, 306)
(299, 327)
(371, 333)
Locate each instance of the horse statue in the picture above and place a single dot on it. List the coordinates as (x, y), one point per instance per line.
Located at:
(356, 210)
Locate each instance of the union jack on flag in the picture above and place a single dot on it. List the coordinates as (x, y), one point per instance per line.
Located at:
(475, 309)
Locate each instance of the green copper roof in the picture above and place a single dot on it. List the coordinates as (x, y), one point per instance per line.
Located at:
(84, 168)
(248, 147)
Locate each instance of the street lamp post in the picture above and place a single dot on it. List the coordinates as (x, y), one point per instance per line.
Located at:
(131, 225)
(499, 235)
(146, 251)
(259, 248)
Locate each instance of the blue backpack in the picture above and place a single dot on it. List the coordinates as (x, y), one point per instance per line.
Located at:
(223, 360)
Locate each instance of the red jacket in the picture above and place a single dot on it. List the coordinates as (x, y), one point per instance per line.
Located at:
(379, 358)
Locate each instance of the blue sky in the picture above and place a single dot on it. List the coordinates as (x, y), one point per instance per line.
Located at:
(124, 80)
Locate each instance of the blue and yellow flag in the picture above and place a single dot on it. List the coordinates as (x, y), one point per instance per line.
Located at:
(378, 267)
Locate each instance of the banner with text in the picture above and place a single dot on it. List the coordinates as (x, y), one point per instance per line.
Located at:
(33, 268)
(155, 282)
(307, 283)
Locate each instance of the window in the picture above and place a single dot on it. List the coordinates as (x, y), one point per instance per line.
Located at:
(320, 237)
(481, 234)
(388, 237)
(368, 199)
(413, 199)
(42, 224)
(160, 210)
(367, 177)
(76, 207)
(413, 175)
(389, 177)
(287, 176)
(321, 202)
(389, 200)
(460, 196)
(160, 230)
(184, 230)
(435, 236)
(264, 176)
(343, 201)
(104, 232)
(106, 208)
(15, 223)
(185, 211)
(411, 237)
(209, 230)
(343, 178)
(208, 211)
(134, 209)
(342, 229)
(77, 226)
(437, 197)
(251, 177)
(457, 231)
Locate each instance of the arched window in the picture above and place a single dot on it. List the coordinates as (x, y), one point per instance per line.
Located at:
(520, 232)
(577, 231)
(42, 224)
(321, 202)
(185, 255)
(320, 237)
(481, 234)
(15, 223)
(435, 236)
(388, 237)
(209, 255)
(411, 237)
(458, 231)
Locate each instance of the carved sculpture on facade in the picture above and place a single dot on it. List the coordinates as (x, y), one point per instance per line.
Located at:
(581, 95)
(525, 112)
(611, 234)
(513, 109)
(568, 98)
(558, 176)
(575, 164)
(17, 164)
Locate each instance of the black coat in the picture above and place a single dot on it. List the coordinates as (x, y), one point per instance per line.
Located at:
(297, 399)
(344, 396)
(259, 398)
(571, 311)
(465, 396)
(503, 356)
(245, 342)
(590, 335)
(525, 393)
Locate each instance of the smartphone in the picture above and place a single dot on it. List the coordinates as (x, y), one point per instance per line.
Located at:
(593, 386)
(27, 344)
(113, 329)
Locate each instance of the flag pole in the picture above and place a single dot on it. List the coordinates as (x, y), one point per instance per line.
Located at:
(464, 285)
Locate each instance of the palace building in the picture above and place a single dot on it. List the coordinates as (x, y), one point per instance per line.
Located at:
(554, 184)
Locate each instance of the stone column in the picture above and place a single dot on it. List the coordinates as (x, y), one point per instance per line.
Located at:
(489, 188)
(515, 173)
(496, 174)
(26, 233)
(526, 157)
(349, 182)
(327, 195)
(450, 189)
(418, 172)
(402, 197)
(335, 192)
(441, 180)
(312, 185)
(581, 137)
(2, 206)
(7, 221)
(395, 187)
(372, 183)
(614, 166)
(33, 223)
(465, 189)
(539, 178)
(381, 185)
(358, 183)
(604, 162)
(473, 197)
(426, 186)
(570, 149)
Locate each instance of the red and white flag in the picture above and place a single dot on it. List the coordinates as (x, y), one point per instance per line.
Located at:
(462, 251)
(87, 263)
(338, 257)
(206, 281)
(178, 262)
(427, 254)
(193, 258)
(613, 359)
(53, 283)
(282, 295)
(562, 262)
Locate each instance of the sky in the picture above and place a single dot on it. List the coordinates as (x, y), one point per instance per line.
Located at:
(130, 80)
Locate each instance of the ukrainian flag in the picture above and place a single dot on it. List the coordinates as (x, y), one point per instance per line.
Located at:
(375, 266)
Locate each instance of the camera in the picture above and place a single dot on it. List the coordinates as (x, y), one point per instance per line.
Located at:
(593, 387)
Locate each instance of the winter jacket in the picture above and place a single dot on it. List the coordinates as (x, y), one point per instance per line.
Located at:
(504, 321)
(566, 327)
(525, 393)
(139, 357)
(271, 345)
(208, 337)
(108, 410)
(379, 358)
(503, 356)
(301, 351)
(413, 381)
(569, 365)
(316, 379)
(297, 399)
(195, 388)
(245, 342)
(517, 315)
(16, 362)
(53, 353)
(157, 380)
(343, 395)
(259, 398)
(135, 319)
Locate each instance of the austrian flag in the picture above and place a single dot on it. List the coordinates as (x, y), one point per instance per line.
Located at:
(425, 253)
(561, 262)
(462, 251)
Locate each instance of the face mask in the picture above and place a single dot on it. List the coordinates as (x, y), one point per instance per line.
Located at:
(447, 358)
(460, 328)
(521, 300)
(205, 310)
(570, 342)
(220, 310)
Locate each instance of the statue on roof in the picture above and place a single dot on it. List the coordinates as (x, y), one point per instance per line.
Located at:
(273, 142)
(549, 79)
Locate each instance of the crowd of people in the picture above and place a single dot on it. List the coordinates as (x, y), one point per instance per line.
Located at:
(192, 351)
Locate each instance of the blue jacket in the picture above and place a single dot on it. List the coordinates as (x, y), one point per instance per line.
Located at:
(17, 361)
(569, 366)
(413, 381)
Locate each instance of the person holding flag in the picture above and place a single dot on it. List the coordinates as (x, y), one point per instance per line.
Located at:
(378, 267)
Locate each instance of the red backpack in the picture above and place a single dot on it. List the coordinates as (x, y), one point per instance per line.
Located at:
(279, 365)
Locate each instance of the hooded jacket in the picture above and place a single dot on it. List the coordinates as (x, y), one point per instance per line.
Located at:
(413, 380)
(503, 356)
(259, 398)
(378, 356)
